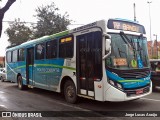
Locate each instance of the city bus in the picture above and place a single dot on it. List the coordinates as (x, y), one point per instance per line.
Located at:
(103, 61)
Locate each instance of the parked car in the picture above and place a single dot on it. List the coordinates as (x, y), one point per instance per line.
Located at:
(155, 73)
(2, 74)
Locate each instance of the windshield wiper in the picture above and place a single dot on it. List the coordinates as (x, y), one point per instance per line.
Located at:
(125, 39)
(121, 52)
(139, 47)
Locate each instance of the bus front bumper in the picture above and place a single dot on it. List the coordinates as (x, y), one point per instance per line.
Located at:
(113, 94)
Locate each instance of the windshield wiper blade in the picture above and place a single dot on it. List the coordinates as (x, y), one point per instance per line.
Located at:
(140, 47)
(126, 39)
(121, 52)
(131, 45)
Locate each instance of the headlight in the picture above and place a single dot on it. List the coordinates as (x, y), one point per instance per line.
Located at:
(111, 82)
(119, 86)
(115, 84)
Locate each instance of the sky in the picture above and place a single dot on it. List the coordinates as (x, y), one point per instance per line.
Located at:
(86, 11)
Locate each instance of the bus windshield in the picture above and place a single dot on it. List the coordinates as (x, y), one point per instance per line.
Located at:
(128, 52)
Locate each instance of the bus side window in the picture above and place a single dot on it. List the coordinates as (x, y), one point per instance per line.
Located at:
(9, 57)
(40, 51)
(51, 49)
(66, 47)
(21, 55)
(14, 56)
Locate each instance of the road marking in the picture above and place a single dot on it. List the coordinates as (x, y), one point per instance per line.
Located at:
(1, 92)
(3, 106)
(151, 99)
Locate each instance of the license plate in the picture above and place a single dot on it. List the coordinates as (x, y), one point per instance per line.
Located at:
(139, 91)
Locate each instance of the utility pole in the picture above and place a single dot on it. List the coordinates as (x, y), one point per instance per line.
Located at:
(134, 8)
(150, 28)
(156, 45)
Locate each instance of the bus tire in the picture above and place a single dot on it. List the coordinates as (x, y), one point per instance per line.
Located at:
(20, 83)
(2, 80)
(70, 92)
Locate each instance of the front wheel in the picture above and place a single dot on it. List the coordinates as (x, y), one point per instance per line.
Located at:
(70, 92)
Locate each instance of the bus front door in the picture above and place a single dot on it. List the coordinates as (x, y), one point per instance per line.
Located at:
(30, 65)
(88, 62)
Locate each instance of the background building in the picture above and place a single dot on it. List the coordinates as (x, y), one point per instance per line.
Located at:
(154, 53)
(2, 61)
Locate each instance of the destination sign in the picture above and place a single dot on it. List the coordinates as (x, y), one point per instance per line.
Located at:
(66, 39)
(120, 62)
(126, 26)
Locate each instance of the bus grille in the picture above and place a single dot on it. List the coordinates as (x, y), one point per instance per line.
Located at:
(132, 74)
(130, 93)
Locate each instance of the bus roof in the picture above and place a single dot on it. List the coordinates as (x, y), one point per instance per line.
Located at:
(39, 40)
(127, 20)
(63, 33)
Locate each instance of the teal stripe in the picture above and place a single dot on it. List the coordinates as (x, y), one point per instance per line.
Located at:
(59, 34)
(44, 65)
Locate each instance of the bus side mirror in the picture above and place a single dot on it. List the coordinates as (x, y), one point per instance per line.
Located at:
(108, 42)
(108, 45)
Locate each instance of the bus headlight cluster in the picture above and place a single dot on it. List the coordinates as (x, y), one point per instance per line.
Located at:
(111, 82)
(115, 84)
(119, 86)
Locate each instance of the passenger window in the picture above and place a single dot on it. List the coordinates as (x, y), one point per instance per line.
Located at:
(66, 47)
(51, 50)
(9, 57)
(21, 55)
(14, 56)
(40, 48)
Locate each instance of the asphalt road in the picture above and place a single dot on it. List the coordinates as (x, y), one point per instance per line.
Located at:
(13, 99)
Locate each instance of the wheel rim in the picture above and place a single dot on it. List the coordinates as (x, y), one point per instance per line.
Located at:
(70, 92)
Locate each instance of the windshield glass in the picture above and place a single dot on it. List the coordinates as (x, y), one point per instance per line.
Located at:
(128, 52)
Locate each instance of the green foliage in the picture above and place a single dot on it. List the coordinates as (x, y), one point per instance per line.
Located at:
(49, 21)
(18, 33)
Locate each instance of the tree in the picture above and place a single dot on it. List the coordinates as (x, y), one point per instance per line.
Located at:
(2, 12)
(18, 33)
(49, 21)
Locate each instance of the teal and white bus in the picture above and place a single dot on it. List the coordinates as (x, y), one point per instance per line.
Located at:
(103, 60)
